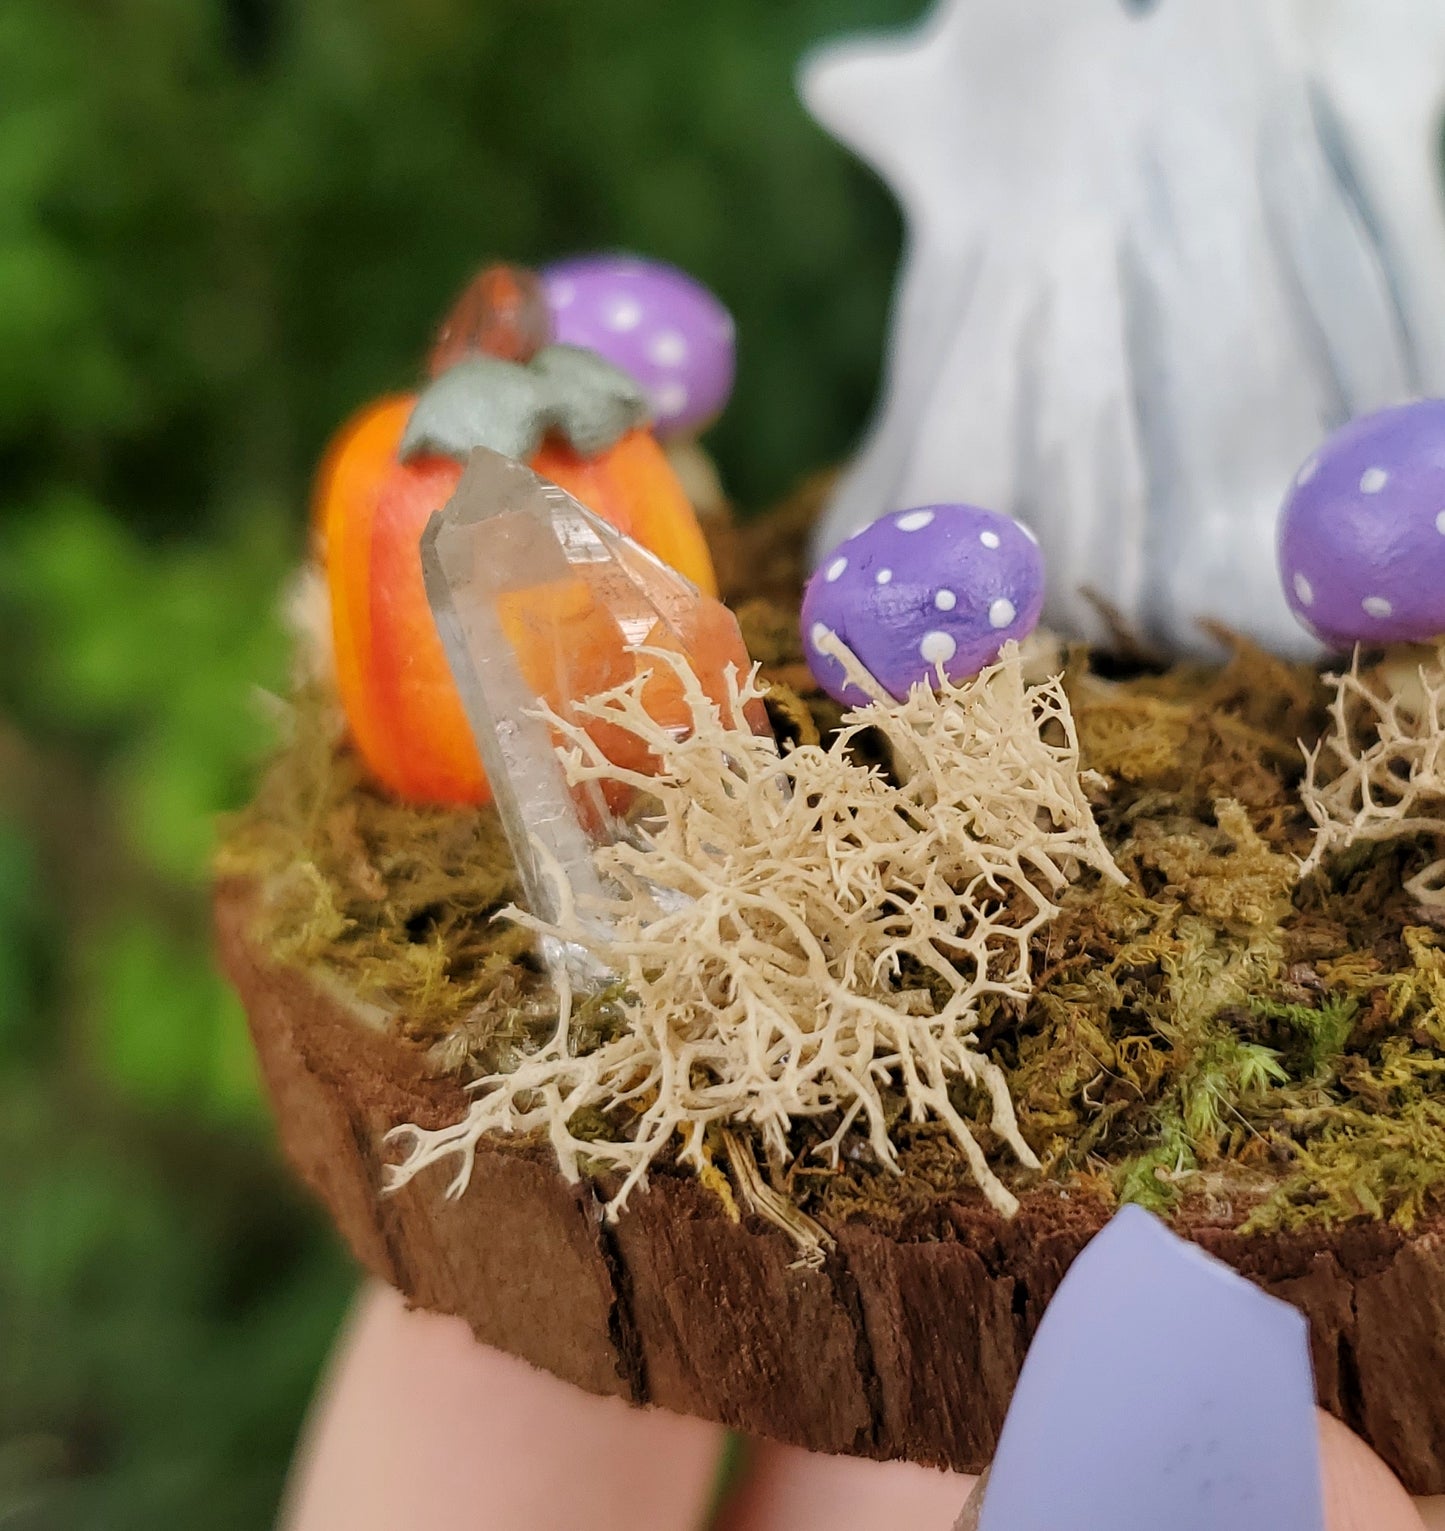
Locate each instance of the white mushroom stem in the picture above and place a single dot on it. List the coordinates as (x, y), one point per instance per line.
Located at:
(828, 643)
(1401, 673)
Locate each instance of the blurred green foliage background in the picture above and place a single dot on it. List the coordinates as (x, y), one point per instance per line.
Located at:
(223, 225)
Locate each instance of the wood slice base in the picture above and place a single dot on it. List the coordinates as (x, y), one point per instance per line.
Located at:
(901, 1346)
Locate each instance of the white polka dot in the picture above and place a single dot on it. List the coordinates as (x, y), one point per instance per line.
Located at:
(1440, 523)
(1002, 612)
(1377, 606)
(624, 314)
(883, 576)
(1304, 590)
(562, 293)
(989, 539)
(1373, 480)
(1306, 473)
(835, 569)
(670, 398)
(820, 634)
(937, 648)
(914, 521)
(945, 600)
(668, 349)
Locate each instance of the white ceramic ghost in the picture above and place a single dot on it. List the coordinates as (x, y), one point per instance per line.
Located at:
(1157, 250)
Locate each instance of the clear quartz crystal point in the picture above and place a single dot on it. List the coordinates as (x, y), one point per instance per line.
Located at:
(540, 601)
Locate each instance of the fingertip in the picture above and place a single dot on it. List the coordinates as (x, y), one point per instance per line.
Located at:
(1361, 1493)
(417, 1424)
(789, 1489)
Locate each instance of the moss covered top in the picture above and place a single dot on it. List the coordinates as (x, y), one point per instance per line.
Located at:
(1218, 1034)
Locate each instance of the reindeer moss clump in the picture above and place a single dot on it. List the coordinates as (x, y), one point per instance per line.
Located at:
(1215, 1035)
(799, 932)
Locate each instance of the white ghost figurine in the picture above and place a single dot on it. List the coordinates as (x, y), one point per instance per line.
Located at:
(1157, 249)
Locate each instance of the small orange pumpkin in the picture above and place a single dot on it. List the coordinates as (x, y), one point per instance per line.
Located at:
(401, 704)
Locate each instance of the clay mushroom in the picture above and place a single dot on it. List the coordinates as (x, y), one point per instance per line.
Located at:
(1362, 532)
(940, 586)
(664, 329)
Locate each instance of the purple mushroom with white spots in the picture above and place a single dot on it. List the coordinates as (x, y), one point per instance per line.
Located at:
(1362, 533)
(942, 585)
(653, 322)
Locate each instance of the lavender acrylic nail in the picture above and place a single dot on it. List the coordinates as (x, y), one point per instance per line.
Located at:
(1162, 1390)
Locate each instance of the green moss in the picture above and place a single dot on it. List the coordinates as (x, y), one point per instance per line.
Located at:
(1215, 1035)
(1151, 1178)
(396, 904)
(1241, 1023)
(1323, 1030)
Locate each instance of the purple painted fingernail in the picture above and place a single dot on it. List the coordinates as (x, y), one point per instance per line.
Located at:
(1161, 1390)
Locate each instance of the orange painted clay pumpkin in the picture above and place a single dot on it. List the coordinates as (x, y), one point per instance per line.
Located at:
(405, 716)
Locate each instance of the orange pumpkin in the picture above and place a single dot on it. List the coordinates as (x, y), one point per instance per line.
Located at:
(404, 713)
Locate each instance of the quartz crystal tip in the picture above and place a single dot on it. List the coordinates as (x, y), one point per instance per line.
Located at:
(541, 606)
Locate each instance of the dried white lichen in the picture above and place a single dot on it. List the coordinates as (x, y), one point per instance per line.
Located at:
(1378, 772)
(306, 616)
(795, 936)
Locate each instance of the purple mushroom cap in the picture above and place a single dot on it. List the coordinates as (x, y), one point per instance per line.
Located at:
(1362, 534)
(653, 322)
(941, 585)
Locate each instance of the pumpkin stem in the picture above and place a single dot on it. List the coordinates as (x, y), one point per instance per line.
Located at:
(502, 312)
(508, 407)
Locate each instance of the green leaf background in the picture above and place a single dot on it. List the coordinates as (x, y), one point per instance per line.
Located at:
(223, 225)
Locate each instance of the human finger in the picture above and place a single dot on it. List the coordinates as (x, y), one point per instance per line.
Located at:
(1361, 1493)
(800, 1491)
(788, 1489)
(419, 1425)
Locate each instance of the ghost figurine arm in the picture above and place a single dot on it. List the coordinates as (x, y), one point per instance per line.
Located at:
(946, 115)
(852, 88)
